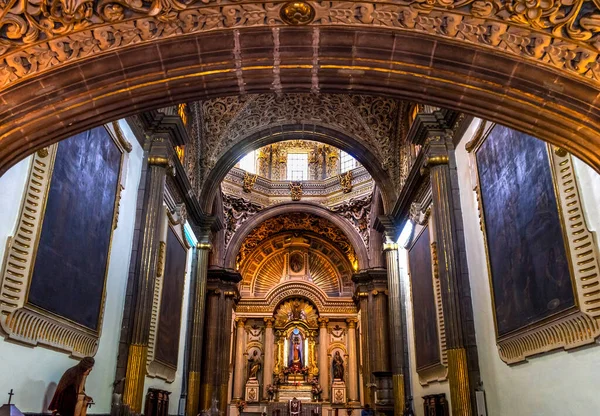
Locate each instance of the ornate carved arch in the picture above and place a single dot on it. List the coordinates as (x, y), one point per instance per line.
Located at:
(325, 305)
(297, 207)
(526, 73)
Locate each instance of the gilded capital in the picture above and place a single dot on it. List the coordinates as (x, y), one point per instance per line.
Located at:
(204, 246)
(323, 322)
(240, 322)
(390, 246)
(352, 322)
(269, 322)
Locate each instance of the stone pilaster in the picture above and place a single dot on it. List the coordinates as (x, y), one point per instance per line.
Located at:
(240, 345)
(269, 354)
(396, 312)
(222, 294)
(371, 295)
(197, 332)
(323, 361)
(146, 270)
(363, 303)
(463, 367)
(352, 363)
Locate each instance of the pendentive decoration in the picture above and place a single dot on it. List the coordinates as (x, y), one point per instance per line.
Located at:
(297, 13)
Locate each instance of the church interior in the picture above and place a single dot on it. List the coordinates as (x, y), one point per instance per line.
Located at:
(243, 208)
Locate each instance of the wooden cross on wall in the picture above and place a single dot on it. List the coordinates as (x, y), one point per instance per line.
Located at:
(10, 394)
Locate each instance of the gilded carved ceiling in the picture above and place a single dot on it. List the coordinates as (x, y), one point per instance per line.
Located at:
(36, 36)
(301, 256)
(379, 124)
(298, 221)
(322, 270)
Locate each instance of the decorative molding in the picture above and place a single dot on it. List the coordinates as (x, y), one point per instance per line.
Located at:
(368, 119)
(346, 182)
(578, 328)
(439, 372)
(121, 137)
(357, 212)
(44, 35)
(236, 211)
(296, 190)
(300, 221)
(293, 289)
(268, 192)
(155, 368)
(249, 181)
(19, 320)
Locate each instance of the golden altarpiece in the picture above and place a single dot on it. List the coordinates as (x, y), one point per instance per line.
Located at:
(294, 318)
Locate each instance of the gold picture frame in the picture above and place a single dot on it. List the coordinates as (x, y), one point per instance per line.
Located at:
(569, 329)
(21, 321)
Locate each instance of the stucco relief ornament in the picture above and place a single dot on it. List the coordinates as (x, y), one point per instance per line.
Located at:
(296, 190)
(297, 13)
(37, 35)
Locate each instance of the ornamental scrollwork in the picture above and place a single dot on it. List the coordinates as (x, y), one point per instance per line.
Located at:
(357, 212)
(370, 120)
(236, 212)
(37, 35)
(296, 221)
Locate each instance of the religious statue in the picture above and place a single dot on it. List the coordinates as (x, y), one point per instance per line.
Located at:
(70, 398)
(296, 262)
(295, 407)
(338, 366)
(296, 364)
(254, 365)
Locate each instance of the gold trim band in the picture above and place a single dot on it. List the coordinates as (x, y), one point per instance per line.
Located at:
(204, 246)
(390, 246)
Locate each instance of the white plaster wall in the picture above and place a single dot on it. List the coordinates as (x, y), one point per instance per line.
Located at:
(558, 383)
(418, 390)
(175, 386)
(12, 185)
(33, 372)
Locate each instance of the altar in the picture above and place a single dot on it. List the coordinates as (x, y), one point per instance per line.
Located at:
(282, 408)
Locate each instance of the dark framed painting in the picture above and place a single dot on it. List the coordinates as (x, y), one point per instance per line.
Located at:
(58, 258)
(524, 187)
(169, 321)
(427, 331)
(167, 314)
(71, 261)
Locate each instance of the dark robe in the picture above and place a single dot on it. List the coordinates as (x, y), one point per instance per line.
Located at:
(67, 391)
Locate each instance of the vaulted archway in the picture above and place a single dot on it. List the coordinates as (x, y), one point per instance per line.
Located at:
(544, 90)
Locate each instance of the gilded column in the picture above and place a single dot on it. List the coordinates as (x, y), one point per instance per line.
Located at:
(396, 327)
(146, 271)
(323, 361)
(199, 299)
(269, 355)
(240, 345)
(450, 279)
(352, 362)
